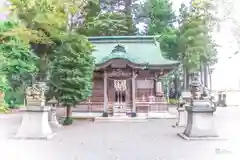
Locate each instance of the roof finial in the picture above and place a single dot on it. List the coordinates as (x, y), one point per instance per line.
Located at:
(119, 48)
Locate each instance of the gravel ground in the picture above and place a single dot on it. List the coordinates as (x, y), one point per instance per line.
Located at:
(153, 140)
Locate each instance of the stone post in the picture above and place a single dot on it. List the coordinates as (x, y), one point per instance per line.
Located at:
(182, 113)
(105, 107)
(35, 119)
(52, 113)
(133, 114)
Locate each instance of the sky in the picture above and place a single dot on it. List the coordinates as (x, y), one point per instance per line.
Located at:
(225, 74)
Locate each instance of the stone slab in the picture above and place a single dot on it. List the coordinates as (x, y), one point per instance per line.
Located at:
(177, 126)
(48, 137)
(77, 115)
(161, 115)
(121, 119)
(183, 136)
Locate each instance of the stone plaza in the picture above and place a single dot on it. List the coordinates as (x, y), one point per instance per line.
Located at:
(151, 140)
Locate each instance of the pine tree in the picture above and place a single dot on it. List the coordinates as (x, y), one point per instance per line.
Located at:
(71, 72)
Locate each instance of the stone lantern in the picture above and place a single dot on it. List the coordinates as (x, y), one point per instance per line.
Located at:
(200, 119)
(52, 113)
(35, 123)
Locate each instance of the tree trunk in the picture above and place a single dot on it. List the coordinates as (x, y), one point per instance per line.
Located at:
(176, 86)
(205, 75)
(201, 74)
(187, 79)
(68, 111)
(210, 81)
(184, 80)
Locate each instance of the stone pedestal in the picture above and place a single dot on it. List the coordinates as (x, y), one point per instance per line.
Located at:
(52, 118)
(200, 121)
(35, 123)
(182, 117)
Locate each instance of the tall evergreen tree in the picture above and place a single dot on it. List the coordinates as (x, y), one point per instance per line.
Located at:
(160, 14)
(71, 72)
(196, 45)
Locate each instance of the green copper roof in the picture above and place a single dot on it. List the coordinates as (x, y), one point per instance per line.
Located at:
(140, 50)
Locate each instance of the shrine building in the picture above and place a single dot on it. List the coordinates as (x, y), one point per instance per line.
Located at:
(126, 76)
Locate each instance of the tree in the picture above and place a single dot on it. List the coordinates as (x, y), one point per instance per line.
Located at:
(98, 22)
(19, 62)
(41, 24)
(71, 72)
(160, 14)
(107, 24)
(161, 19)
(196, 44)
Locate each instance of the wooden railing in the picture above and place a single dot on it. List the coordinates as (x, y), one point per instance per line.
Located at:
(142, 106)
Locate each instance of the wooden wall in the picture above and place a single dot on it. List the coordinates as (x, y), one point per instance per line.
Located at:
(97, 92)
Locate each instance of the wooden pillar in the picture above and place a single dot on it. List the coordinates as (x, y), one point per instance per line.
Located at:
(133, 94)
(105, 109)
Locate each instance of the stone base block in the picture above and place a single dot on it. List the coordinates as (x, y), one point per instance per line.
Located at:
(35, 124)
(185, 137)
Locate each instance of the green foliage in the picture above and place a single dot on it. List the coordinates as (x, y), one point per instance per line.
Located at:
(100, 23)
(162, 18)
(72, 69)
(161, 15)
(15, 98)
(67, 121)
(40, 20)
(42, 24)
(173, 101)
(19, 60)
(107, 24)
(4, 109)
(195, 43)
(4, 85)
(169, 43)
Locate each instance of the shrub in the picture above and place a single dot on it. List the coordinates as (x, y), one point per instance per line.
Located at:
(173, 101)
(4, 108)
(67, 121)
